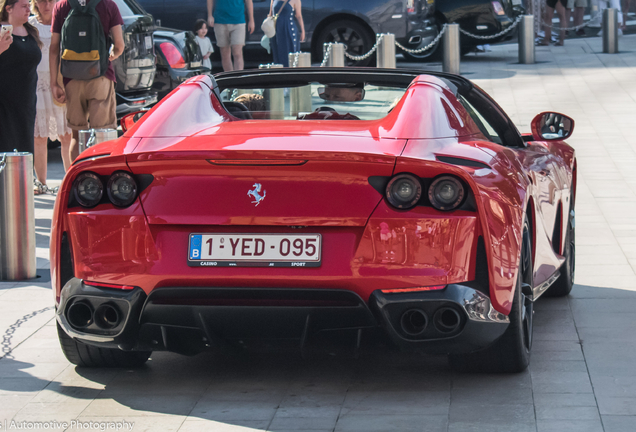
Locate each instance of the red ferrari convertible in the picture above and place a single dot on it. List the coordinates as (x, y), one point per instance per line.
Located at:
(283, 204)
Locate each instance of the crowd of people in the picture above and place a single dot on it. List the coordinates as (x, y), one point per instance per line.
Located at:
(571, 14)
(42, 100)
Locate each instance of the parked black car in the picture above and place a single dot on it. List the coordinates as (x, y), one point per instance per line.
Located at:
(415, 23)
(135, 68)
(178, 58)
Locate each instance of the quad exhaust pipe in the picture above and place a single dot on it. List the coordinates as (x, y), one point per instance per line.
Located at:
(81, 315)
(414, 322)
(446, 320)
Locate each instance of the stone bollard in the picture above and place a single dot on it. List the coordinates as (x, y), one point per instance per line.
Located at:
(300, 101)
(274, 98)
(386, 50)
(451, 49)
(335, 51)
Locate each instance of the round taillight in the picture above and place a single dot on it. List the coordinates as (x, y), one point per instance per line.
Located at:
(446, 193)
(403, 191)
(122, 189)
(88, 189)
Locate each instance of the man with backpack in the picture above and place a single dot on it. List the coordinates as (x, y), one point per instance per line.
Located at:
(81, 33)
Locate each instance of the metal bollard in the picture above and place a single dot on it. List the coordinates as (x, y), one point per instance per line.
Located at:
(526, 40)
(299, 59)
(90, 137)
(451, 49)
(17, 217)
(274, 98)
(300, 101)
(610, 31)
(336, 54)
(386, 50)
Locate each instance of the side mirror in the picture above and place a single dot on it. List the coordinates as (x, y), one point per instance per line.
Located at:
(551, 126)
(129, 120)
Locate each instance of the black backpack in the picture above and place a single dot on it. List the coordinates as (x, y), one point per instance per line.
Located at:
(84, 46)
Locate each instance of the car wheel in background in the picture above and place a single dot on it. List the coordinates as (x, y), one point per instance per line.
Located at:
(564, 283)
(511, 352)
(89, 356)
(357, 39)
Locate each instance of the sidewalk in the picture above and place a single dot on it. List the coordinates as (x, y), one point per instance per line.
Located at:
(582, 376)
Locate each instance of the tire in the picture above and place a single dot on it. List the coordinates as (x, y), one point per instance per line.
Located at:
(89, 356)
(358, 40)
(433, 54)
(511, 352)
(563, 285)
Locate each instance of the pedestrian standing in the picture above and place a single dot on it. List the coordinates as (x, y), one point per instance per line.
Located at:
(50, 117)
(560, 6)
(579, 7)
(88, 101)
(228, 19)
(625, 6)
(290, 29)
(205, 44)
(19, 57)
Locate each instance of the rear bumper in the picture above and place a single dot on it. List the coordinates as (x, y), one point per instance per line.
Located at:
(190, 319)
(131, 103)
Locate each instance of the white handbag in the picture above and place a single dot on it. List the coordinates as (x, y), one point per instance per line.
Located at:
(269, 23)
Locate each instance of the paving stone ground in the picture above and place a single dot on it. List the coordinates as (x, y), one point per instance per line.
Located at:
(582, 377)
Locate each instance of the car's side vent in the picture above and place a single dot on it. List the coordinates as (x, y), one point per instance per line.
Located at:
(461, 162)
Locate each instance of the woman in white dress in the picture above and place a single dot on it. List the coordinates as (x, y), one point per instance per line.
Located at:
(50, 118)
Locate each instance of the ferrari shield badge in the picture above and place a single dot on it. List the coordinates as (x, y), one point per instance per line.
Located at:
(256, 194)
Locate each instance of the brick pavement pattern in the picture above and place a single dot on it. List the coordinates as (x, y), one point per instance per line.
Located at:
(582, 376)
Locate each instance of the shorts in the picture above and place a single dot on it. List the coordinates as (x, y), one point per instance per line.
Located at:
(229, 34)
(552, 3)
(576, 3)
(91, 101)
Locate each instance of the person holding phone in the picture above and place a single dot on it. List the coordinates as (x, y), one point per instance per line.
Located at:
(19, 57)
(50, 118)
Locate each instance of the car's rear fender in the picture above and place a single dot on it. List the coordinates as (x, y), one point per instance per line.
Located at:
(102, 237)
(500, 207)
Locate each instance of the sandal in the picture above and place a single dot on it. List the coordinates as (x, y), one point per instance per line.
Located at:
(39, 188)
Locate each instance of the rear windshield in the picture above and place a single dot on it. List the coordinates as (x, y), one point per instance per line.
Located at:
(315, 101)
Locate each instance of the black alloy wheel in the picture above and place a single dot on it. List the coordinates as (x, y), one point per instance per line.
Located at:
(511, 352)
(433, 54)
(565, 282)
(357, 39)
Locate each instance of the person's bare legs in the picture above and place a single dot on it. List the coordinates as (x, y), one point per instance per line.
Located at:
(237, 55)
(74, 147)
(547, 25)
(226, 58)
(563, 14)
(40, 154)
(579, 13)
(66, 155)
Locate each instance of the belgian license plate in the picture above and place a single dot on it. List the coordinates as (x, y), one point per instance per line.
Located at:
(254, 250)
(148, 42)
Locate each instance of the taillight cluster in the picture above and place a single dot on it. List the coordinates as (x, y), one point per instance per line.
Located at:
(173, 55)
(445, 192)
(121, 189)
